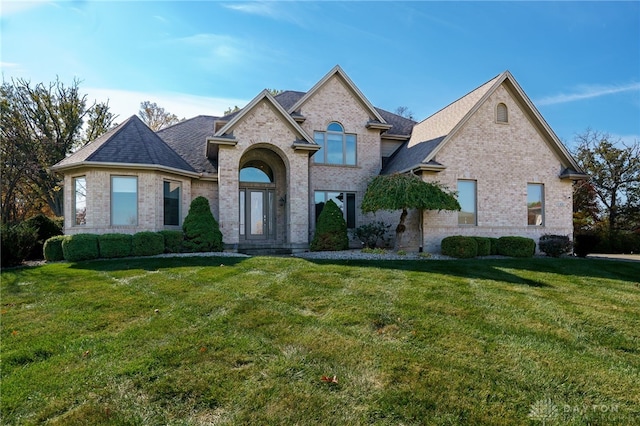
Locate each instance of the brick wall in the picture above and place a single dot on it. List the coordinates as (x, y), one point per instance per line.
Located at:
(503, 159)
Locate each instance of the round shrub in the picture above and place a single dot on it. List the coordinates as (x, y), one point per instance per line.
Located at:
(201, 230)
(484, 246)
(372, 234)
(147, 244)
(172, 241)
(45, 228)
(52, 249)
(516, 246)
(555, 245)
(80, 247)
(115, 245)
(331, 229)
(459, 246)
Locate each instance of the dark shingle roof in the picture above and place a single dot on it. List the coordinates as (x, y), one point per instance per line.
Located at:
(132, 142)
(188, 139)
(401, 125)
(288, 98)
(407, 157)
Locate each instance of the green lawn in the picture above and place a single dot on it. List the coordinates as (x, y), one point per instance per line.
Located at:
(206, 341)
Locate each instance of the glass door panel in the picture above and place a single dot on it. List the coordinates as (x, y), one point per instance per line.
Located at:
(257, 218)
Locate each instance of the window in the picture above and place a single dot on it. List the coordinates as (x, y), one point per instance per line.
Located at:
(502, 115)
(171, 203)
(535, 204)
(345, 200)
(337, 147)
(80, 200)
(467, 199)
(124, 200)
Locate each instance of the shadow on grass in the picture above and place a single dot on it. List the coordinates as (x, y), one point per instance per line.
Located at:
(155, 263)
(500, 269)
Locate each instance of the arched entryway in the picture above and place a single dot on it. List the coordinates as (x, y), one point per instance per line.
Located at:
(262, 198)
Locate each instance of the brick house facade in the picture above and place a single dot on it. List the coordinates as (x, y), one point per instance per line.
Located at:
(268, 169)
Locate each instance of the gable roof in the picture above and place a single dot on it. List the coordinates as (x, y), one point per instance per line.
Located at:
(338, 71)
(225, 134)
(130, 143)
(433, 133)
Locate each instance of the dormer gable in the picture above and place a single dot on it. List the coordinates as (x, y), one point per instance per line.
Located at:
(375, 121)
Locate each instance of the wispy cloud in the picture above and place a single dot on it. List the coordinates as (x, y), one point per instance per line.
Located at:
(588, 92)
(126, 103)
(13, 7)
(287, 11)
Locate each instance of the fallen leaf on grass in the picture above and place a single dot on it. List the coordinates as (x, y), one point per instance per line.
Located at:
(326, 379)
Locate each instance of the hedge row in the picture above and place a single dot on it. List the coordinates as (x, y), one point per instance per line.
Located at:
(74, 248)
(460, 246)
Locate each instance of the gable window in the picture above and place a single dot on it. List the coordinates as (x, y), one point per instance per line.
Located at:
(124, 200)
(345, 200)
(535, 204)
(467, 196)
(337, 147)
(80, 200)
(171, 203)
(502, 114)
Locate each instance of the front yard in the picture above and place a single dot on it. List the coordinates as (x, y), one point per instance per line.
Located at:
(270, 340)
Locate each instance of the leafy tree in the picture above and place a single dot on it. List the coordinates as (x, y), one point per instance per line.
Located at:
(404, 192)
(331, 229)
(155, 116)
(39, 126)
(231, 110)
(99, 121)
(614, 169)
(586, 209)
(275, 92)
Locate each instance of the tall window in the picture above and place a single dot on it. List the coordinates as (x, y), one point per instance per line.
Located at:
(124, 200)
(345, 200)
(171, 203)
(535, 204)
(80, 200)
(337, 147)
(468, 205)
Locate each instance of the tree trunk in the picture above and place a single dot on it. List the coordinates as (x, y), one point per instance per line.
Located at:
(400, 230)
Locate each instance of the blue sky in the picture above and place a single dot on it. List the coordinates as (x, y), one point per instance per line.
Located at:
(579, 62)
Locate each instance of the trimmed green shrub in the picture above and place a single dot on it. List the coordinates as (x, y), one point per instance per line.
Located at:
(115, 245)
(147, 244)
(555, 245)
(172, 241)
(459, 246)
(80, 247)
(52, 249)
(45, 228)
(494, 246)
(201, 230)
(516, 246)
(372, 234)
(16, 243)
(331, 230)
(484, 246)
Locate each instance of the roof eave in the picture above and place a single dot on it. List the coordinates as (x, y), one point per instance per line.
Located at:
(574, 176)
(152, 167)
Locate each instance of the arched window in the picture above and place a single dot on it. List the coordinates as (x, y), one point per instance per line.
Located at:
(502, 115)
(337, 147)
(256, 172)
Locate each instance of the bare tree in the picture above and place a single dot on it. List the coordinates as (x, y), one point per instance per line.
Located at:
(404, 111)
(155, 116)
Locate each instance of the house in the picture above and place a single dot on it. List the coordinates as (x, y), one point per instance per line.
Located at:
(268, 169)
